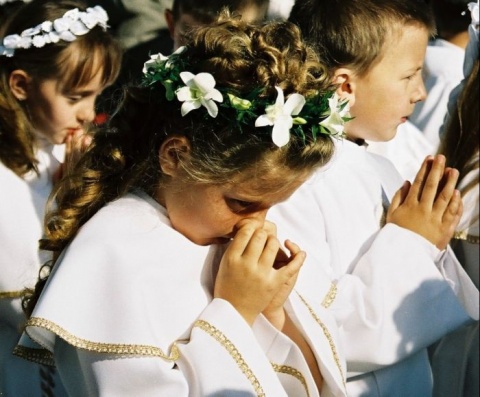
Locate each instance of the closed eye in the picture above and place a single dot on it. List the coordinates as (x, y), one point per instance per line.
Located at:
(240, 206)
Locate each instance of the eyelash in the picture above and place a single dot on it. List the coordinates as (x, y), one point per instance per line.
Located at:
(238, 205)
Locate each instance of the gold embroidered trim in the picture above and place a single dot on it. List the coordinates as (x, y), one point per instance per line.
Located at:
(12, 294)
(467, 237)
(39, 356)
(330, 297)
(285, 369)
(327, 334)
(107, 348)
(233, 351)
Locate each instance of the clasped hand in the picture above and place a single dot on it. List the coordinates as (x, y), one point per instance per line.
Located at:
(255, 275)
(431, 206)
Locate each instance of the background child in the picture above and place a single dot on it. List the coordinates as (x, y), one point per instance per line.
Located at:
(461, 146)
(443, 65)
(396, 289)
(138, 302)
(47, 96)
(455, 359)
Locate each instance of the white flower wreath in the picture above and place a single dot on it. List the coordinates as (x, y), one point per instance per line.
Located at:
(323, 113)
(72, 24)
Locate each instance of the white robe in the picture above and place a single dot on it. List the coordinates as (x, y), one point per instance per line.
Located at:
(128, 311)
(395, 292)
(406, 150)
(467, 239)
(22, 208)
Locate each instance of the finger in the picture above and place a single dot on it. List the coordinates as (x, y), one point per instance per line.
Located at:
(256, 246)
(400, 196)
(429, 191)
(241, 239)
(68, 145)
(444, 196)
(454, 209)
(420, 178)
(270, 252)
(270, 227)
(293, 267)
(292, 247)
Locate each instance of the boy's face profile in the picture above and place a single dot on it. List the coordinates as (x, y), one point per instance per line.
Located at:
(386, 95)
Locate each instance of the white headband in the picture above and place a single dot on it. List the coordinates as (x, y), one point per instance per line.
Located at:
(3, 2)
(73, 23)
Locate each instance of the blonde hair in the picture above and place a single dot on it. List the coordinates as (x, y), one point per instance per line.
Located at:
(74, 64)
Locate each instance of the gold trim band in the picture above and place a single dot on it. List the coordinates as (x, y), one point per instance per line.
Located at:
(330, 297)
(106, 348)
(466, 237)
(327, 334)
(39, 356)
(233, 351)
(285, 369)
(12, 294)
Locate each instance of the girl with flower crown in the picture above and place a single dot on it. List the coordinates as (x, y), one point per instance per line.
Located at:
(55, 58)
(167, 280)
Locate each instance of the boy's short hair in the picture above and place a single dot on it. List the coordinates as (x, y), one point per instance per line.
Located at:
(206, 11)
(352, 33)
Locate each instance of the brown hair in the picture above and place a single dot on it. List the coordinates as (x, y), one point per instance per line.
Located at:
(206, 11)
(242, 58)
(352, 33)
(74, 64)
(460, 143)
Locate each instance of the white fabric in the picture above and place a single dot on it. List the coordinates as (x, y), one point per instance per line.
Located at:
(396, 294)
(443, 70)
(22, 207)
(469, 229)
(128, 278)
(406, 150)
(279, 9)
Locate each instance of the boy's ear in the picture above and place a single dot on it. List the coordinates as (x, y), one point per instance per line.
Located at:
(173, 151)
(19, 82)
(170, 21)
(344, 79)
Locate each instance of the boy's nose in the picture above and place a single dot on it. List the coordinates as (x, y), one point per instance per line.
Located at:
(420, 94)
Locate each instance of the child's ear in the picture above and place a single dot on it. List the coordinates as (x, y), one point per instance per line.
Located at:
(170, 22)
(344, 79)
(173, 151)
(19, 82)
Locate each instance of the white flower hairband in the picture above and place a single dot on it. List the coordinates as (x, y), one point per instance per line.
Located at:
(3, 2)
(320, 114)
(72, 24)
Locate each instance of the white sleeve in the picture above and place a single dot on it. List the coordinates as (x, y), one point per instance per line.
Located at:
(460, 282)
(395, 299)
(221, 356)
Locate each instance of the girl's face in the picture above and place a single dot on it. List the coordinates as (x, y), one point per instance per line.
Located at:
(208, 214)
(56, 113)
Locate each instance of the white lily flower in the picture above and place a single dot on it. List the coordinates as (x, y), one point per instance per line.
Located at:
(159, 60)
(334, 123)
(200, 91)
(280, 116)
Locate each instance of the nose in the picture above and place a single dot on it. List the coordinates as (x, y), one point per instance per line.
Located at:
(420, 93)
(86, 113)
(259, 215)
